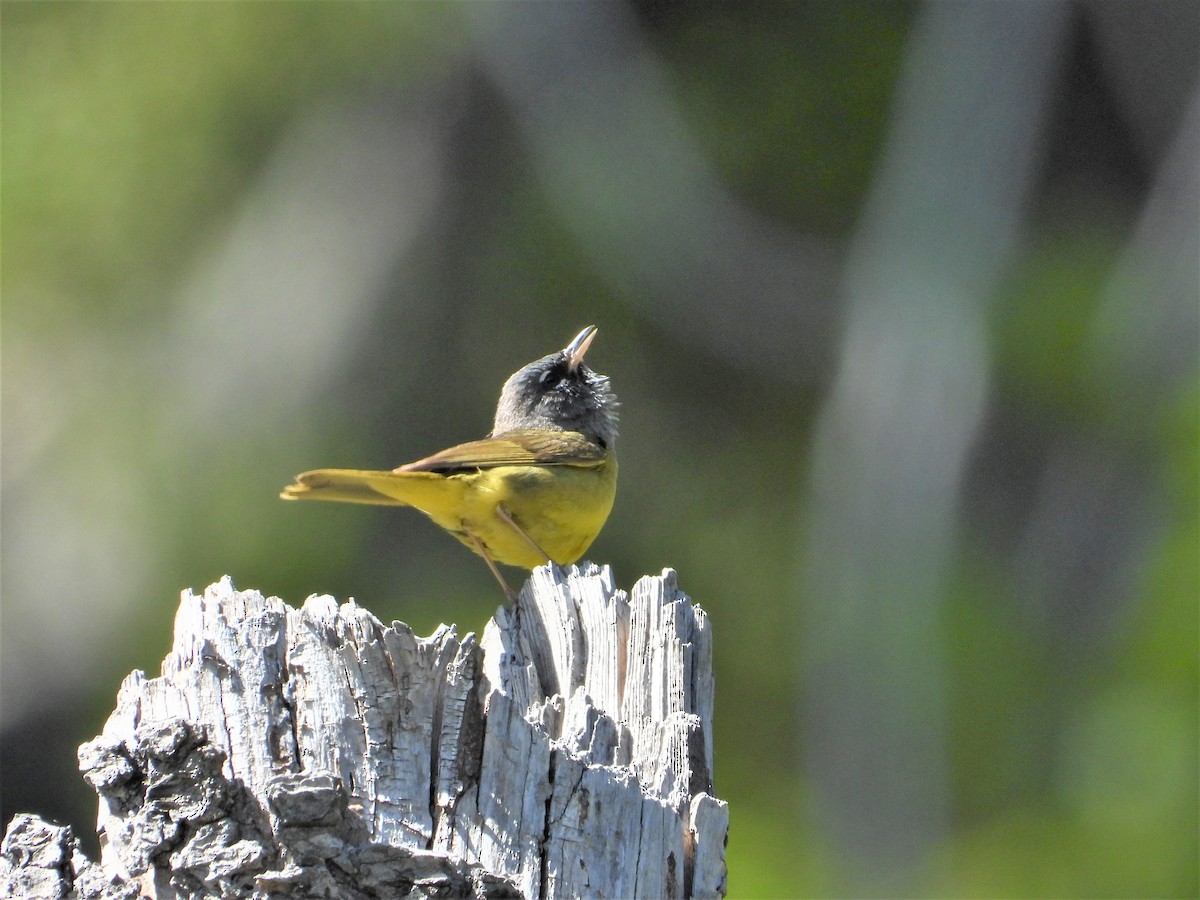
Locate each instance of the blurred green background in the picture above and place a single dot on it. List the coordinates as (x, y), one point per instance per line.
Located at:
(901, 303)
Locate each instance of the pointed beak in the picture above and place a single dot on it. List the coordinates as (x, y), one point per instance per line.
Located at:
(574, 351)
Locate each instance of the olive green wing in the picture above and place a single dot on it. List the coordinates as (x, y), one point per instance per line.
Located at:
(529, 447)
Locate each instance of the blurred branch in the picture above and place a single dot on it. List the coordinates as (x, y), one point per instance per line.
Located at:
(635, 189)
(1148, 327)
(895, 432)
(276, 302)
(1101, 498)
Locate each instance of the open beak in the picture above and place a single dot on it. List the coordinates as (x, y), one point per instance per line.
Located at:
(574, 351)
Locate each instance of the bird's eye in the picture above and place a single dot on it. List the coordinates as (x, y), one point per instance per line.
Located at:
(546, 376)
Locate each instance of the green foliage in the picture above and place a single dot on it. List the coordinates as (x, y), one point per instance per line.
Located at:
(132, 135)
(794, 110)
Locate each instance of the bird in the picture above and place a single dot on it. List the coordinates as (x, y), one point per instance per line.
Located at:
(537, 489)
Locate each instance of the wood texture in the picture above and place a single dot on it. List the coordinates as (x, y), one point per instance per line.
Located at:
(317, 752)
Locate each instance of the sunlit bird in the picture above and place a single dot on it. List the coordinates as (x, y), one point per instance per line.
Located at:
(537, 489)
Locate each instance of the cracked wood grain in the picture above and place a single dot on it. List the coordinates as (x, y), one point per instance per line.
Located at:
(304, 752)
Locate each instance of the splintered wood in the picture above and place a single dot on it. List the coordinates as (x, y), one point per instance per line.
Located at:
(567, 753)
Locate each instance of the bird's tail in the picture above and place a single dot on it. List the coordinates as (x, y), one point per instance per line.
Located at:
(364, 486)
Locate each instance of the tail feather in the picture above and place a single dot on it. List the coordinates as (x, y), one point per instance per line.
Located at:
(345, 486)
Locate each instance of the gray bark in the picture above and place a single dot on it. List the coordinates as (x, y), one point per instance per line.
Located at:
(319, 753)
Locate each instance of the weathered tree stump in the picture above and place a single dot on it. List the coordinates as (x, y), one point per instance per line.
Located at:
(319, 753)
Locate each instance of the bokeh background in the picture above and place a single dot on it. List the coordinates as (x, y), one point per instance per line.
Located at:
(901, 302)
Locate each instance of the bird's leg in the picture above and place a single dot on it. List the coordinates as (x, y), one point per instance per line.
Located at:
(507, 517)
(508, 592)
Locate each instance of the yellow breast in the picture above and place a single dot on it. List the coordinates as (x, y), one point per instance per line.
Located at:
(562, 509)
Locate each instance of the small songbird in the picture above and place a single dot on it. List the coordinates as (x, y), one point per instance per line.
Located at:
(537, 489)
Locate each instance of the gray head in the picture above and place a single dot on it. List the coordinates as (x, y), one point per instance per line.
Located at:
(559, 392)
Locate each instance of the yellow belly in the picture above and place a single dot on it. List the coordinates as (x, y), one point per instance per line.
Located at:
(561, 508)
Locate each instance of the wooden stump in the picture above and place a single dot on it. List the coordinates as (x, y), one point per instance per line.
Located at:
(319, 753)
